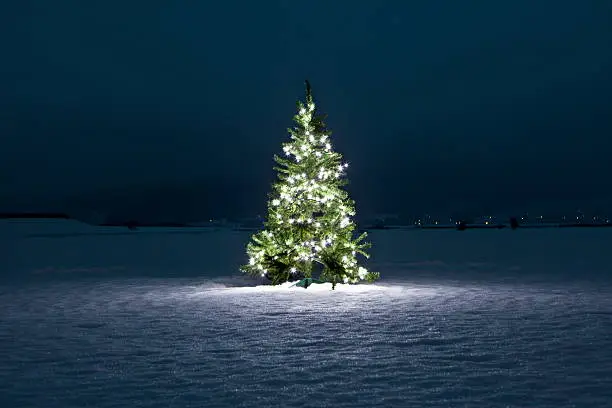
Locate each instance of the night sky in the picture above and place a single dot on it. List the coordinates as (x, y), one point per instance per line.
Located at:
(162, 109)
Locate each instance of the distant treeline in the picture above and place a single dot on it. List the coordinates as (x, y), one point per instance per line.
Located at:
(63, 216)
(463, 227)
(460, 226)
(26, 215)
(512, 224)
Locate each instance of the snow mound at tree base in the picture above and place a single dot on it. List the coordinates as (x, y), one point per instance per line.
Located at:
(327, 287)
(288, 287)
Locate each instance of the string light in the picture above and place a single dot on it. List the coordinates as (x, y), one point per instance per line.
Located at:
(308, 202)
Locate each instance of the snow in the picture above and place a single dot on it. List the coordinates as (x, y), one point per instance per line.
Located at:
(161, 318)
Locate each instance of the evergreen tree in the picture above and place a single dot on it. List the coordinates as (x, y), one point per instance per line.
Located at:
(309, 213)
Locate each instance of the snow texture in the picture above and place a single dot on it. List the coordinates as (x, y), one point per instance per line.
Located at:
(161, 318)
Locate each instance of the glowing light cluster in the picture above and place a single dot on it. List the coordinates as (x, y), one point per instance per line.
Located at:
(309, 214)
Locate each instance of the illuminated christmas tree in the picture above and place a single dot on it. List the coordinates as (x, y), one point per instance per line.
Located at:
(309, 219)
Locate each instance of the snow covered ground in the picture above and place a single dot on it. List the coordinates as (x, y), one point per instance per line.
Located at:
(107, 317)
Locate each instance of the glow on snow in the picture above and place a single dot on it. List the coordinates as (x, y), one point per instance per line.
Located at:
(325, 289)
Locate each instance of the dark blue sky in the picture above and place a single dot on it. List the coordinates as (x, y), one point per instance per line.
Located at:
(180, 106)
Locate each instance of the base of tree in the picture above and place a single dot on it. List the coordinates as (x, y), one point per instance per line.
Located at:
(305, 283)
(293, 277)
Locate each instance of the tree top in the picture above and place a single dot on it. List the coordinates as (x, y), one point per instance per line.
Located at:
(308, 91)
